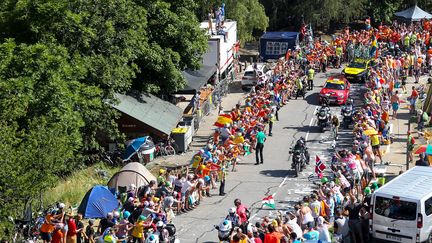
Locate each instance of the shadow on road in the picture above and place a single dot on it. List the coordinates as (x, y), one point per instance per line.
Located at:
(277, 173)
(312, 99)
(311, 129)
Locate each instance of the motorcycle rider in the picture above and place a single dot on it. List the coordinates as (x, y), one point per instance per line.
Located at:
(348, 105)
(233, 217)
(347, 111)
(310, 77)
(301, 147)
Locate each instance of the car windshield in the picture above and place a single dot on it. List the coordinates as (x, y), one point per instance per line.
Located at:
(249, 73)
(357, 65)
(335, 86)
(395, 209)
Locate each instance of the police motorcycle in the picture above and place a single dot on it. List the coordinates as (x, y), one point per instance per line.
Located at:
(323, 116)
(300, 156)
(347, 113)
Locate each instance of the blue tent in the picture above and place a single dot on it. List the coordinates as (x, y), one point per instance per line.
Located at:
(274, 45)
(97, 203)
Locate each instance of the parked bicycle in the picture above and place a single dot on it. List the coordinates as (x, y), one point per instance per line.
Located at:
(165, 148)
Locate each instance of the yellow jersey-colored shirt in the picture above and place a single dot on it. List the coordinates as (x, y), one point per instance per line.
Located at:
(138, 230)
(375, 140)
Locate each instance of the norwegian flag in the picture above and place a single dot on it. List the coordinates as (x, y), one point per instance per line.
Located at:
(319, 167)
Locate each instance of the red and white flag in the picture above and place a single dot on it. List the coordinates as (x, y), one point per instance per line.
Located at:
(319, 166)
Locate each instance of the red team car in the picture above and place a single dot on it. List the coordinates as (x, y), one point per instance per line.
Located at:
(336, 90)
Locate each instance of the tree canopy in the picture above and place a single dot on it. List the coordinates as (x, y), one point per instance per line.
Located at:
(62, 61)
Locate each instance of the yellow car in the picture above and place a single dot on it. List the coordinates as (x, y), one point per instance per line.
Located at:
(358, 70)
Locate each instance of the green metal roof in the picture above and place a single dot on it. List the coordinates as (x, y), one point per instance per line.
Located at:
(149, 109)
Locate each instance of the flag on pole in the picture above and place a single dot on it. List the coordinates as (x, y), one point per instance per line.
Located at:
(319, 167)
(269, 202)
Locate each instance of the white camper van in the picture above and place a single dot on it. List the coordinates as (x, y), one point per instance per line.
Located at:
(401, 210)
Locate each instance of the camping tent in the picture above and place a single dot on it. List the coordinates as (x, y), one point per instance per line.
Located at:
(413, 14)
(132, 173)
(97, 203)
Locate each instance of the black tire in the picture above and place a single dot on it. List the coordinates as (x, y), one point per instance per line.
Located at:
(297, 169)
(322, 129)
(169, 150)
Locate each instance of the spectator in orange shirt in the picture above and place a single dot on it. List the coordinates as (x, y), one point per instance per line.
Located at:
(272, 236)
(47, 228)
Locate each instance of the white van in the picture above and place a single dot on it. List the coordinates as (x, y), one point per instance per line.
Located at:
(401, 210)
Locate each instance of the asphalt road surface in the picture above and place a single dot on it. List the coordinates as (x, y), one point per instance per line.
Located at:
(251, 183)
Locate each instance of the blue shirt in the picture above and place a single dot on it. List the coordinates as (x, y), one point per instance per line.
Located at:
(311, 235)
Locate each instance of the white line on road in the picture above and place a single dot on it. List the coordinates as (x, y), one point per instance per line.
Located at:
(280, 185)
(310, 123)
(253, 216)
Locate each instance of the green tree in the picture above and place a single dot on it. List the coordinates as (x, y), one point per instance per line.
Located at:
(249, 14)
(176, 44)
(62, 61)
(40, 119)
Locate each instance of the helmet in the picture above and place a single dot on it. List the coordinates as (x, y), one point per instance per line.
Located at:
(161, 171)
(232, 210)
(116, 214)
(61, 205)
(151, 239)
(126, 214)
(226, 225)
(207, 178)
(109, 215)
(159, 224)
(324, 180)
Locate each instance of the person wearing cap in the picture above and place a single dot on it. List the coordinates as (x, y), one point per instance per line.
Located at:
(110, 236)
(138, 230)
(161, 178)
(124, 227)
